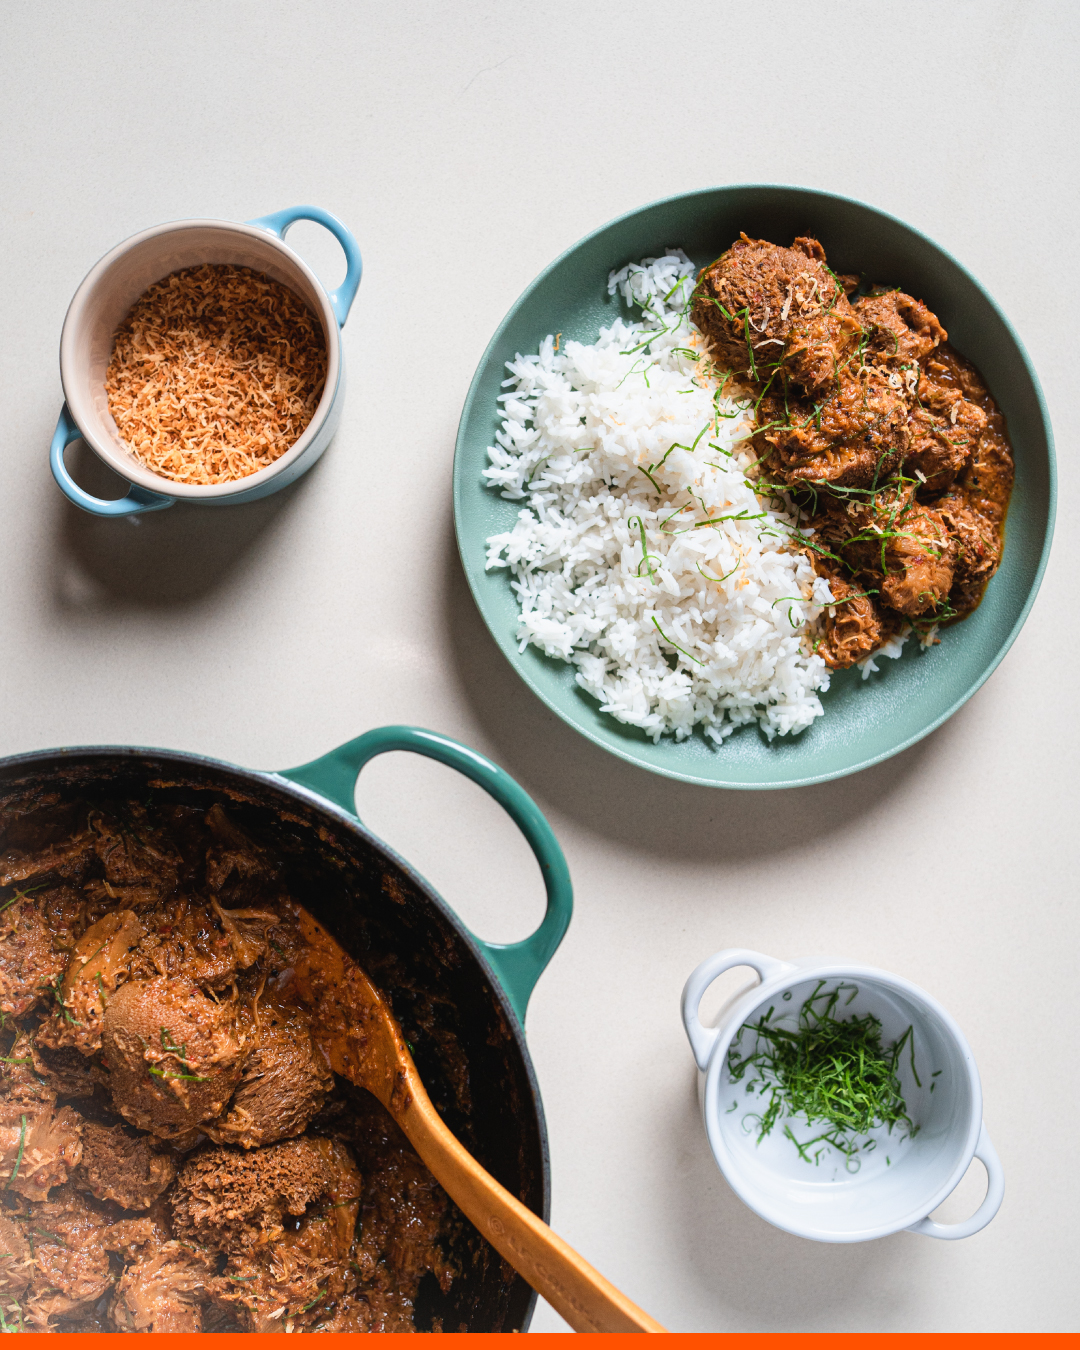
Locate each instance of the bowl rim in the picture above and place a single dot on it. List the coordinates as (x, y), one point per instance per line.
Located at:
(472, 574)
(744, 1006)
(128, 466)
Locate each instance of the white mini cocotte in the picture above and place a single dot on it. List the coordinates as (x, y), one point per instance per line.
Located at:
(828, 1203)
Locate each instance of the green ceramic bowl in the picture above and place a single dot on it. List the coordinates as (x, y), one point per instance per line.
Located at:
(865, 721)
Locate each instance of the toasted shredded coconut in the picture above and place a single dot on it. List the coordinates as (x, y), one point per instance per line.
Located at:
(215, 373)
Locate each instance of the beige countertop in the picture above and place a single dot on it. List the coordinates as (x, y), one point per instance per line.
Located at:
(466, 146)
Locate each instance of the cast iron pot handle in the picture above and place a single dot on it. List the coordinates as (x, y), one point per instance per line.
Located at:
(138, 499)
(341, 299)
(518, 965)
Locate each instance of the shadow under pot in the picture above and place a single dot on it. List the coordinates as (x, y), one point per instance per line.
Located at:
(434, 971)
(105, 298)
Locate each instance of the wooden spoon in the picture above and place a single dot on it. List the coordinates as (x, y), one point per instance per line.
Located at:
(366, 1046)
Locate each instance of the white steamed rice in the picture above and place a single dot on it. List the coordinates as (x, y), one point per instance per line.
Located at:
(671, 622)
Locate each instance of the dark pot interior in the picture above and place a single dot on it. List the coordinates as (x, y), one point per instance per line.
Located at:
(467, 1045)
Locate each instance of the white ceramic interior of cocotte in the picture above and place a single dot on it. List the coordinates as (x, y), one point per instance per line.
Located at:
(106, 296)
(901, 1182)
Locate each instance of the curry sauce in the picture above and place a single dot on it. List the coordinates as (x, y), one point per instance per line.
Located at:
(176, 1150)
(882, 438)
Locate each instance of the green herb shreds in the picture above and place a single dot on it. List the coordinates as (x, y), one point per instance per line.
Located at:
(834, 1071)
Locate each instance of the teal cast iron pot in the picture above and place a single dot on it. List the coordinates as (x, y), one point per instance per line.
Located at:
(406, 937)
(106, 296)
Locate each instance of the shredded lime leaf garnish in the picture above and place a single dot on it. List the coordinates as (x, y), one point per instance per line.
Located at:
(21, 895)
(187, 1077)
(646, 557)
(830, 1070)
(675, 644)
(709, 577)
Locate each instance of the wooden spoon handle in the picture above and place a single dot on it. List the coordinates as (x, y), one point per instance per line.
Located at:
(574, 1289)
